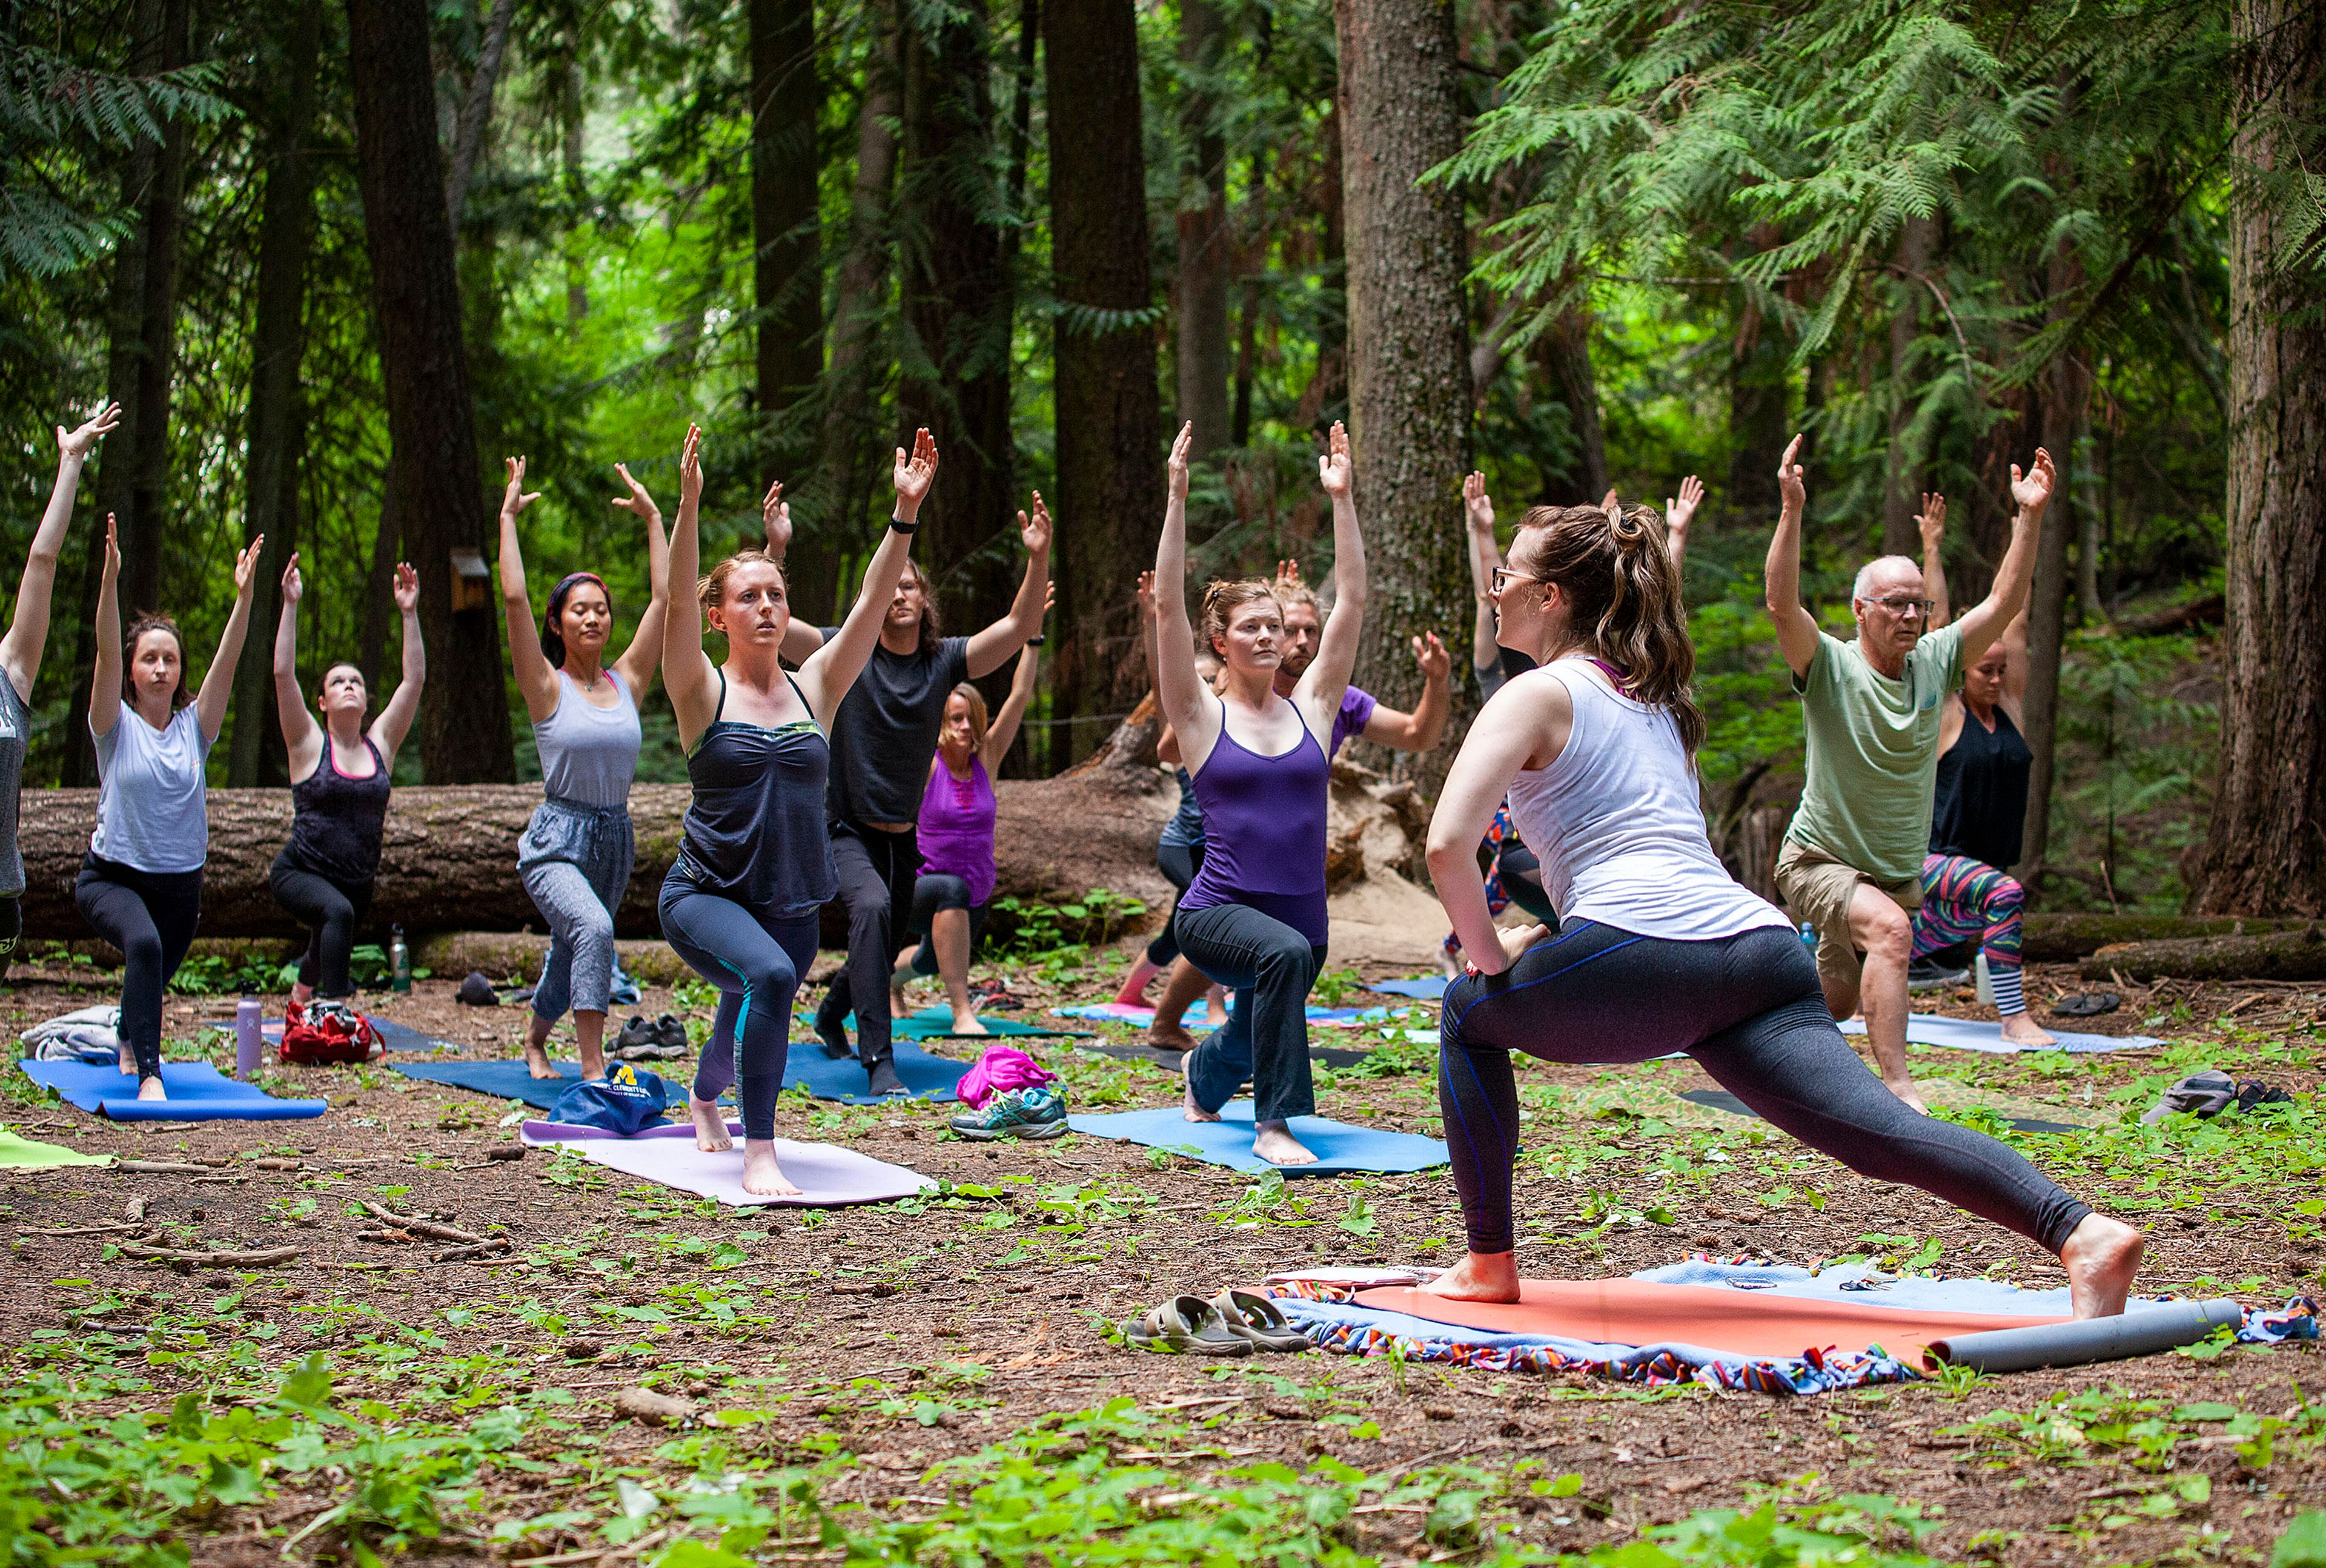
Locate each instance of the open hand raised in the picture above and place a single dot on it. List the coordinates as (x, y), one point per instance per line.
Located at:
(1334, 471)
(1144, 596)
(78, 443)
(112, 549)
(1477, 506)
(514, 499)
(690, 467)
(638, 502)
(1429, 653)
(1035, 529)
(2033, 491)
(776, 520)
(1680, 510)
(245, 565)
(916, 470)
(1790, 485)
(1931, 521)
(1174, 469)
(294, 585)
(407, 587)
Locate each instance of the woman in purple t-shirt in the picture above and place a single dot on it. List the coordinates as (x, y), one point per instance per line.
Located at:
(956, 840)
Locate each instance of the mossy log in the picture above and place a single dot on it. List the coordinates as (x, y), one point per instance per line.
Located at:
(2299, 954)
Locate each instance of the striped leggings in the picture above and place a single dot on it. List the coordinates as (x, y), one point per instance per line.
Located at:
(1963, 898)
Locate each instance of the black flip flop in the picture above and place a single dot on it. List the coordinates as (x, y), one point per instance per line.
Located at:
(2086, 1005)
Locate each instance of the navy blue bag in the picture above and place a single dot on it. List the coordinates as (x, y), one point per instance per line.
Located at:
(625, 1103)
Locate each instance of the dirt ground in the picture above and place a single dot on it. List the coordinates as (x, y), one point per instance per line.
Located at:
(908, 1335)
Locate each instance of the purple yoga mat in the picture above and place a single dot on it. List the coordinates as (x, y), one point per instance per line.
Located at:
(828, 1174)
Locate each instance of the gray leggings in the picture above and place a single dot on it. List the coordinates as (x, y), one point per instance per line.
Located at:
(1748, 1008)
(578, 972)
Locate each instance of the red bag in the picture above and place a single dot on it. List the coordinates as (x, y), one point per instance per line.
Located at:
(328, 1031)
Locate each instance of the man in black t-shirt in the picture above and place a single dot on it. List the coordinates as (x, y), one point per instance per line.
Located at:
(883, 737)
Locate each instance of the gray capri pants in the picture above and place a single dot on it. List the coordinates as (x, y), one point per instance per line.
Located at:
(576, 862)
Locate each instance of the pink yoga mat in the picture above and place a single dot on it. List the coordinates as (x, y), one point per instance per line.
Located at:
(827, 1176)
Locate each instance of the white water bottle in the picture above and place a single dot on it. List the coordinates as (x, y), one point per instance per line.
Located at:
(249, 1039)
(1985, 981)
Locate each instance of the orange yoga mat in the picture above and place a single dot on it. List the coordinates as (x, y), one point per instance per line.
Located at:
(1637, 1312)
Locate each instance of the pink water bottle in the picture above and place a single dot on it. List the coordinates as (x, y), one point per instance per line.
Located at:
(249, 1039)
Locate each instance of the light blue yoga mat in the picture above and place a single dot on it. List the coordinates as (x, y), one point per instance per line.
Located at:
(501, 1080)
(1338, 1147)
(930, 1078)
(1975, 1034)
(1421, 988)
(197, 1091)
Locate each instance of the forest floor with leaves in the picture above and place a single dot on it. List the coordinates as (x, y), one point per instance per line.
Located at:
(936, 1381)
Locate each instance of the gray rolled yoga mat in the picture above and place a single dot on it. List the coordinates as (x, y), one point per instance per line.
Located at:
(2143, 1331)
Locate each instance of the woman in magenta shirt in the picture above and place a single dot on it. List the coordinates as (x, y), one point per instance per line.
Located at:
(956, 840)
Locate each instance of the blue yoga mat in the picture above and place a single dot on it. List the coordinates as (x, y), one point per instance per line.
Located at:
(931, 1078)
(197, 1091)
(501, 1080)
(1975, 1034)
(936, 1023)
(1421, 988)
(1338, 1147)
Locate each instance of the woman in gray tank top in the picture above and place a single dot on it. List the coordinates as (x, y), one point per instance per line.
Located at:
(577, 852)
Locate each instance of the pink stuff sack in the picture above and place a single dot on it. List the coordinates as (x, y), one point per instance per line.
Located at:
(999, 1070)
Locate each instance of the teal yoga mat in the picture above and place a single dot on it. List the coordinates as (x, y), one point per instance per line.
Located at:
(1339, 1148)
(501, 1080)
(196, 1090)
(936, 1023)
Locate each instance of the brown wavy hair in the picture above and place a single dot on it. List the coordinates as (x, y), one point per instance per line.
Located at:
(1615, 568)
(135, 634)
(1222, 598)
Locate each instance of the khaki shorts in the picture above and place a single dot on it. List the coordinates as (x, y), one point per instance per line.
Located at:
(1817, 888)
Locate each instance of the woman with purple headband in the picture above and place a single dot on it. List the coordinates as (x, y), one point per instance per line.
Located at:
(577, 852)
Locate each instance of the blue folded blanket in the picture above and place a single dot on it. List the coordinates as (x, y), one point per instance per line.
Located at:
(195, 1091)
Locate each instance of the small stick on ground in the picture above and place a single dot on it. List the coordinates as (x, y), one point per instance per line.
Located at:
(267, 1259)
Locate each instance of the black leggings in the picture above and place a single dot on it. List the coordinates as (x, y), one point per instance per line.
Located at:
(149, 915)
(1265, 1039)
(1749, 1009)
(332, 910)
(1178, 863)
(876, 872)
(931, 895)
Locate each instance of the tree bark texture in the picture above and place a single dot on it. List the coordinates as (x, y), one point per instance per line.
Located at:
(143, 526)
(2289, 955)
(476, 114)
(1409, 332)
(1109, 410)
(435, 476)
(2067, 387)
(1565, 350)
(787, 266)
(1205, 257)
(278, 340)
(1902, 498)
(1760, 418)
(2266, 850)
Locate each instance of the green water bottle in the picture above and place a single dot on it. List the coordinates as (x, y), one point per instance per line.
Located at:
(399, 960)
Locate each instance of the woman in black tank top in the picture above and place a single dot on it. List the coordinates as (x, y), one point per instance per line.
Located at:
(339, 774)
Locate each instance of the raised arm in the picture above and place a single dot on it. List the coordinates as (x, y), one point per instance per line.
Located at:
(996, 643)
(1931, 521)
(686, 672)
(1188, 706)
(1143, 598)
(395, 720)
(2013, 642)
(1012, 711)
(105, 679)
(1797, 629)
(1679, 511)
(644, 656)
(28, 633)
(800, 638)
(218, 681)
(535, 678)
(832, 669)
(1524, 725)
(1984, 621)
(1479, 517)
(1337, 649)
(302, 738)
(1425, 727)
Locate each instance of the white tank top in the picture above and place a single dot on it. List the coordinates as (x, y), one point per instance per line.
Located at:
(1616, 824)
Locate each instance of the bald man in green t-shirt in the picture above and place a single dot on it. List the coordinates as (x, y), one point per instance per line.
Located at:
(1851, 862)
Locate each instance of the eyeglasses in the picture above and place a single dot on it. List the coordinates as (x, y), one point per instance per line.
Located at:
(1903, 608)
(1503, 577)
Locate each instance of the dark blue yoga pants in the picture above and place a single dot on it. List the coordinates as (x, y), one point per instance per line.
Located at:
(757, 965)
(1178, 863)
(1265, 1039)
(1749, 1009)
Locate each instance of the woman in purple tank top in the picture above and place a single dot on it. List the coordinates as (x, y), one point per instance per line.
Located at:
(1254, 916)
(956, 840)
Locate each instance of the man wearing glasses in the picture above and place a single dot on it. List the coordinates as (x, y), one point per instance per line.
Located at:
(1851, 862)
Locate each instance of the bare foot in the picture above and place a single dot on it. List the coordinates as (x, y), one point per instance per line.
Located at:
(1170, 1037)
(2101, 1255)
(711, 1134)
(593, 1061)
(760, 1176)
(151, 1088)
(898, 1008)
(2021, 1029)
(1190, 1110)
(1215, 1007)
(1133, 990)
(1479, 1276)
(1904, 1087)
(966, 1023)
(1273, 1141)
(128, 1060)
(536, 1060)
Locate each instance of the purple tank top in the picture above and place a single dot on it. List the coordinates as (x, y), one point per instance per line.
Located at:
(1264, 832)
(956, 828)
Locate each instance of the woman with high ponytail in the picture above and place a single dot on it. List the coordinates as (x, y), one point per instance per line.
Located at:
(1658, 950)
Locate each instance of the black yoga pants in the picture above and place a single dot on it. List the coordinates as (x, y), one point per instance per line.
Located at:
(757, 965)
(1522, 876)
(1265, 1039)
(876, 872)
(332, 910)
(149, 915)
(932, 895)
(1749, 1009)
(1178, 863)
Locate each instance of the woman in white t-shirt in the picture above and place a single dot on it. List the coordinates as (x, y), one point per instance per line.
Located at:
(1658, 950)
(141, 886)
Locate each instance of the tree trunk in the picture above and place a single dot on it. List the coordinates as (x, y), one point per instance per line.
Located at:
(787, 269)
(279, 339)
(476, 114)
(2266, 850)
(1565, 352)
(142, 526)
(958, 307)
(1759, 409)
(464, 725)
(1903, 496)
(1409, 331)
(1109, 409)
(1202, 226)
(2067, 388)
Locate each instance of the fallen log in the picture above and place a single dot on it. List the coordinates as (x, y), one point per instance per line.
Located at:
(2285, 955)
(267, 1258)
(2060, 938)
